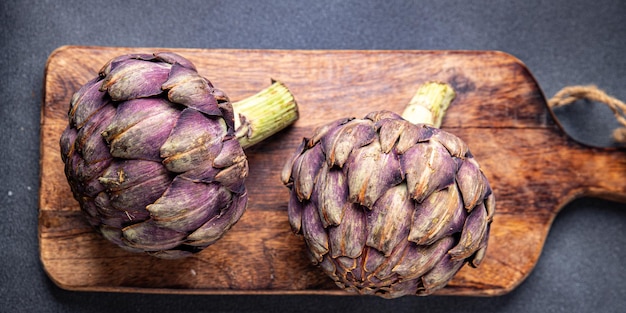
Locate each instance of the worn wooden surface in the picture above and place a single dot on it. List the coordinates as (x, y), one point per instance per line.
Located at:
(500, 111)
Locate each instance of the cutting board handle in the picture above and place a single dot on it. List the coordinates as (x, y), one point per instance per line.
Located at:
(606, 175)
(603, 170)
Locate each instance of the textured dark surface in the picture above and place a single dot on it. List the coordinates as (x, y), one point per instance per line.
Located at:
(562, 43)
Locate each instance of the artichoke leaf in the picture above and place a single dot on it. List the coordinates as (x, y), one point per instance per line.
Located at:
(313, 231)
(187, 87)
(455, 145)
(419, 259)
(439, 215)
(330, 195)
(149, 236)
(428, 167)
(388, 222)
(286, 174)
(370, 173)
(294, 213)
(194, 139)
(340, 142)
(472, 184)
(122, 174)
(85, 102)
(348, 238)
(186, 205)
(472, 235)
(139, 128)
(305, 170)
(440, 275)
(171, 58)
(136, 79)
(88, 142)
(215, 228)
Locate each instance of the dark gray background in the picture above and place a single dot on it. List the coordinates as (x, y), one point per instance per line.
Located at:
(563, 42)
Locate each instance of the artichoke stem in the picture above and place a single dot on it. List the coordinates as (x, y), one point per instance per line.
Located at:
(429, 104)
(264, 114)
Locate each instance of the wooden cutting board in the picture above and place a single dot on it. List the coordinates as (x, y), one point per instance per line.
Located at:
(500, 112)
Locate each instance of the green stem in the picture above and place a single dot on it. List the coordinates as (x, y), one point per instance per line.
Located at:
(264, 114)
(429, 104)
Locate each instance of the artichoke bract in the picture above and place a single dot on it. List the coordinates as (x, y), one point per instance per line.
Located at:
(389, 207)
(153, 152)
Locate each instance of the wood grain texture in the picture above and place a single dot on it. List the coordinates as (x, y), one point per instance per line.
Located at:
(500, 112)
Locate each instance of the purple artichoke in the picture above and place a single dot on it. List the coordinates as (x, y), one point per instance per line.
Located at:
(153, 155)
(388, 207)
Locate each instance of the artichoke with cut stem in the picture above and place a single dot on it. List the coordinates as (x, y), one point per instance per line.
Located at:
(154, 155)
(387, 205)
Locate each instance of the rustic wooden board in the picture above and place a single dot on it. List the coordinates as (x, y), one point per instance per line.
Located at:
(500, 111)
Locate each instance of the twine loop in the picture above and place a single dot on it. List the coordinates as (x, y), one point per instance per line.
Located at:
(572, 94)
